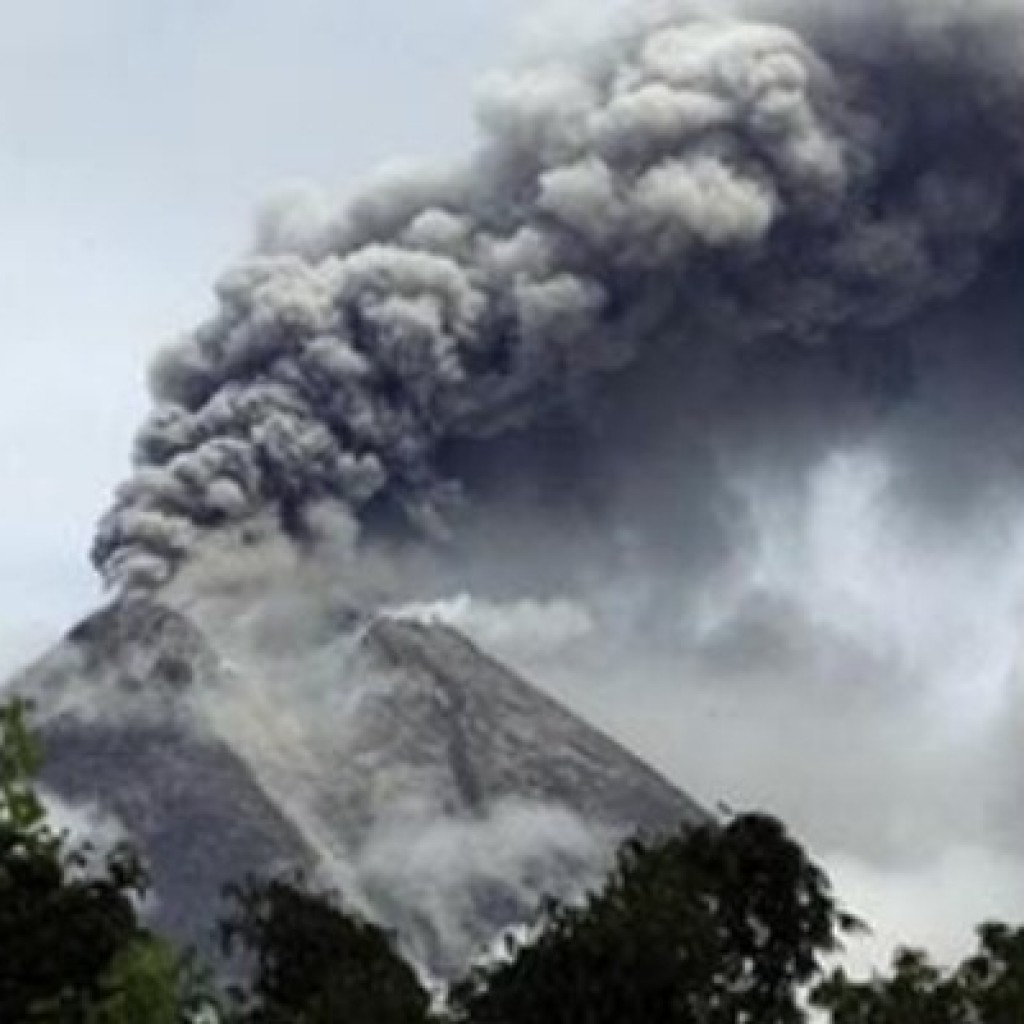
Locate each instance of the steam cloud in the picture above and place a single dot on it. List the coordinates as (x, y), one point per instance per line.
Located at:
(700, 189)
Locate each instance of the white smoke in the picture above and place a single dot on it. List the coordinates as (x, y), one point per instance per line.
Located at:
(437, 869)
(84, 825)
(519, 631)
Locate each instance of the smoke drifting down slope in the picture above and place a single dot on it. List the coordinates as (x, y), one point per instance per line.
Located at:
(701, 224)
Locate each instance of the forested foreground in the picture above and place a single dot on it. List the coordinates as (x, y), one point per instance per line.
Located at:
(728, 924)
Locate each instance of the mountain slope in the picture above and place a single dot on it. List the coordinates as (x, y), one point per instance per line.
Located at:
(505, 738)
(437, 790)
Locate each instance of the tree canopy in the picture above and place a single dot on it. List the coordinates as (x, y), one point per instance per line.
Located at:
(987, 987)
(72, 948)
(310, 961)
(716, 925)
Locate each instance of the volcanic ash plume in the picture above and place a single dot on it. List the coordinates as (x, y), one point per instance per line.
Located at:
(698, 185)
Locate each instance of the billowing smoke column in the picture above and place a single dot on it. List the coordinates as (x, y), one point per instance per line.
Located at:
(785, 178)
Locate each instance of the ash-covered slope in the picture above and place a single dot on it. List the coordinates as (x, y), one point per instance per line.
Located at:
(501, 738)
(124, 735)
(440, 792)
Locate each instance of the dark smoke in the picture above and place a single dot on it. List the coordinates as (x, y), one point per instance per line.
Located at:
(703, 196)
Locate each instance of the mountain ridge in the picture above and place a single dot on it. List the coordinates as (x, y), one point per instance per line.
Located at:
(440, 792)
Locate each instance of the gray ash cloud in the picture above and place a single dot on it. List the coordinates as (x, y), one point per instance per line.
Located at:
(801, 181)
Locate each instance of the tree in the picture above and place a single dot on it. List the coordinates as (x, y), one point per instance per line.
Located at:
(986, 988)
(313, 963)
(145, 982)
(992, 980)
(718, 925)
(918, 992)
(72, 949)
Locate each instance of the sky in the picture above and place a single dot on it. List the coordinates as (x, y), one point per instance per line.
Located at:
(136, 142)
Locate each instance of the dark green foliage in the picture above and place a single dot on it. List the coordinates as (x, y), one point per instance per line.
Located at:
(917, 993)
(987, 988)
(312, 963)
(71, 946)
(144, 984)
(993, 978)
(715, 926)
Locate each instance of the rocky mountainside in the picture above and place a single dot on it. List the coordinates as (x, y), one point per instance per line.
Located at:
(435, 789)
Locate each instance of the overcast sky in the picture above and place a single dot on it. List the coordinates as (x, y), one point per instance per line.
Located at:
(136, 140)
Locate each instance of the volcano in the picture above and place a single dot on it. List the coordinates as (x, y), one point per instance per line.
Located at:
(436, 790)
